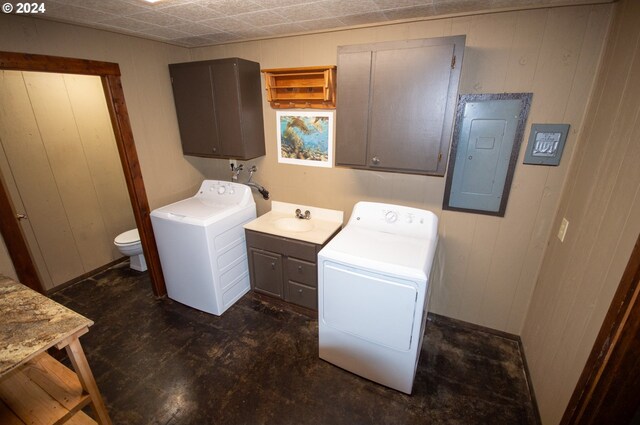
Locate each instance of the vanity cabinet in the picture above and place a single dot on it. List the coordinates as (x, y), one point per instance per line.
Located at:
(219, 108)
(284, 268)
(396, 104)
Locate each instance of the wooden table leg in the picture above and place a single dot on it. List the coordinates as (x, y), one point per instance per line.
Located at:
(81, 366)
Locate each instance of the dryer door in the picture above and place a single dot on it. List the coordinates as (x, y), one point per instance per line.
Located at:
(371, 306)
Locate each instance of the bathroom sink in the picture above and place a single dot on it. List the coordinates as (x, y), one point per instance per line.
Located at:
(293, 224)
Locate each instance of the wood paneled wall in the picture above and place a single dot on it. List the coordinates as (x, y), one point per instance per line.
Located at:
(491, 263)
(601, 200)
(61, 166)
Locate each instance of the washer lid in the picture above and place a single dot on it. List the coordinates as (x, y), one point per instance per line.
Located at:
(194, 208)
(383, 252)
(128, 237)
(196, 211)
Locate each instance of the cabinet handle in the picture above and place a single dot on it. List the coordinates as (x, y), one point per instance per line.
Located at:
(375, 160)
(273, 266)
(300, 291)
(299, 269)
(215, 149)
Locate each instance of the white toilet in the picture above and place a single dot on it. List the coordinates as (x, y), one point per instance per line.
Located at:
(129, 244)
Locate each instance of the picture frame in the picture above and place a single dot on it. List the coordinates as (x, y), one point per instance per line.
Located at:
(305, 137)
(546, 143)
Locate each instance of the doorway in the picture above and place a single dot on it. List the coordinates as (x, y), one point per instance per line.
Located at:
(608, 391)
(60, 163)
(109, 74)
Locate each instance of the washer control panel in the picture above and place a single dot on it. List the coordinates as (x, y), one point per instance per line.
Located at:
(396, 219)
(223, 191)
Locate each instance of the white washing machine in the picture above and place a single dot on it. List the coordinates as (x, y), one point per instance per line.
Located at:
(202, 246)
(373, 292)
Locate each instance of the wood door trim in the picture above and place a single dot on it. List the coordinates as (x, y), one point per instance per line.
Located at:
(16, 243)
(41, 63)
(607, 389)
(114, 94)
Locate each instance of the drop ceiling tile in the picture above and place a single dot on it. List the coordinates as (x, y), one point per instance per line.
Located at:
(221, 37)
(194, 29)
(410, 12)
(285, 28)
(339, 8)
(260, 18)
(304, 12)
(160, 4)
(191, 41)
(156, 17)
(115, 7)
(127, 24)
(225, 24)
(78, 14)
(252, 33)
(363, 18)
(396, 4)
(321, 24)
(166, 33)
(443, 7)
(271, 4)
(220, 21)
(233, 7)
(191, 12)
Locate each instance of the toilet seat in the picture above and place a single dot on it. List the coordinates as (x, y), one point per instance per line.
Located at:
(130, 237)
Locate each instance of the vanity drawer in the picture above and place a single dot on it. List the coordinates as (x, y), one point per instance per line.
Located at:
(302, 271)
(289, 247)
(302, 295)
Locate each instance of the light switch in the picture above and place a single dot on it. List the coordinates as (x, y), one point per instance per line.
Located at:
(563, 229)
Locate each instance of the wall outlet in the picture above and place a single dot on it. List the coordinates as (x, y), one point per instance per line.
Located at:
(562, 231)
(233, 162)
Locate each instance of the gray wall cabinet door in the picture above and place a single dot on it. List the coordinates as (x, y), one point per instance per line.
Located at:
(193, 96)
(219, 108)
(395, 104)
(409, 97)
(227, 107)
(353, 107)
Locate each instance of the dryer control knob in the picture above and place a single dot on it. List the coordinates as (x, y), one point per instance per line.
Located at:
(391, 217)
(221, 190)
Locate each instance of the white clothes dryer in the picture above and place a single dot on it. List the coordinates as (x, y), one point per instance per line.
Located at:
(202, 246)
(373, 292)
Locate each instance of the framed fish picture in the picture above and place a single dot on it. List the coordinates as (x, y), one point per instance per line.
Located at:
(305, 138)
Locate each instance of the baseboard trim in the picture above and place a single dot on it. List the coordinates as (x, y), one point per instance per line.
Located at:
(85, 275)
(436, 318)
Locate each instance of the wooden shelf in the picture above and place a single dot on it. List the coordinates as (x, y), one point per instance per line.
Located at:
(43, 391)
(306, 87)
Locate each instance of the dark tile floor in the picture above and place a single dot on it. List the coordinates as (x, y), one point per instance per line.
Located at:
(159, 362)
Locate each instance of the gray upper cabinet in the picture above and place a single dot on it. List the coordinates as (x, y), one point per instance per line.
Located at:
(395, 104)
(219, 107)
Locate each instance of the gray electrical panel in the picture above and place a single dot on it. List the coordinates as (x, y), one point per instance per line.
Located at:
(487, 139)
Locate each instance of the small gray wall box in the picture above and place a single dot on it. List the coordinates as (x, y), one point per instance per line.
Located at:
(546, 143)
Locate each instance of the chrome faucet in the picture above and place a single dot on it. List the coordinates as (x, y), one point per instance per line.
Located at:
(252, 170)
(236, 172)
(305, 216)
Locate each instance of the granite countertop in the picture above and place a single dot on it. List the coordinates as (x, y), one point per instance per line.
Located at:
(31, 323)
(281, 221)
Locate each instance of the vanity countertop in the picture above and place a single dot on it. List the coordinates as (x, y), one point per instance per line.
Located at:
(30, 323)
(282, 221)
